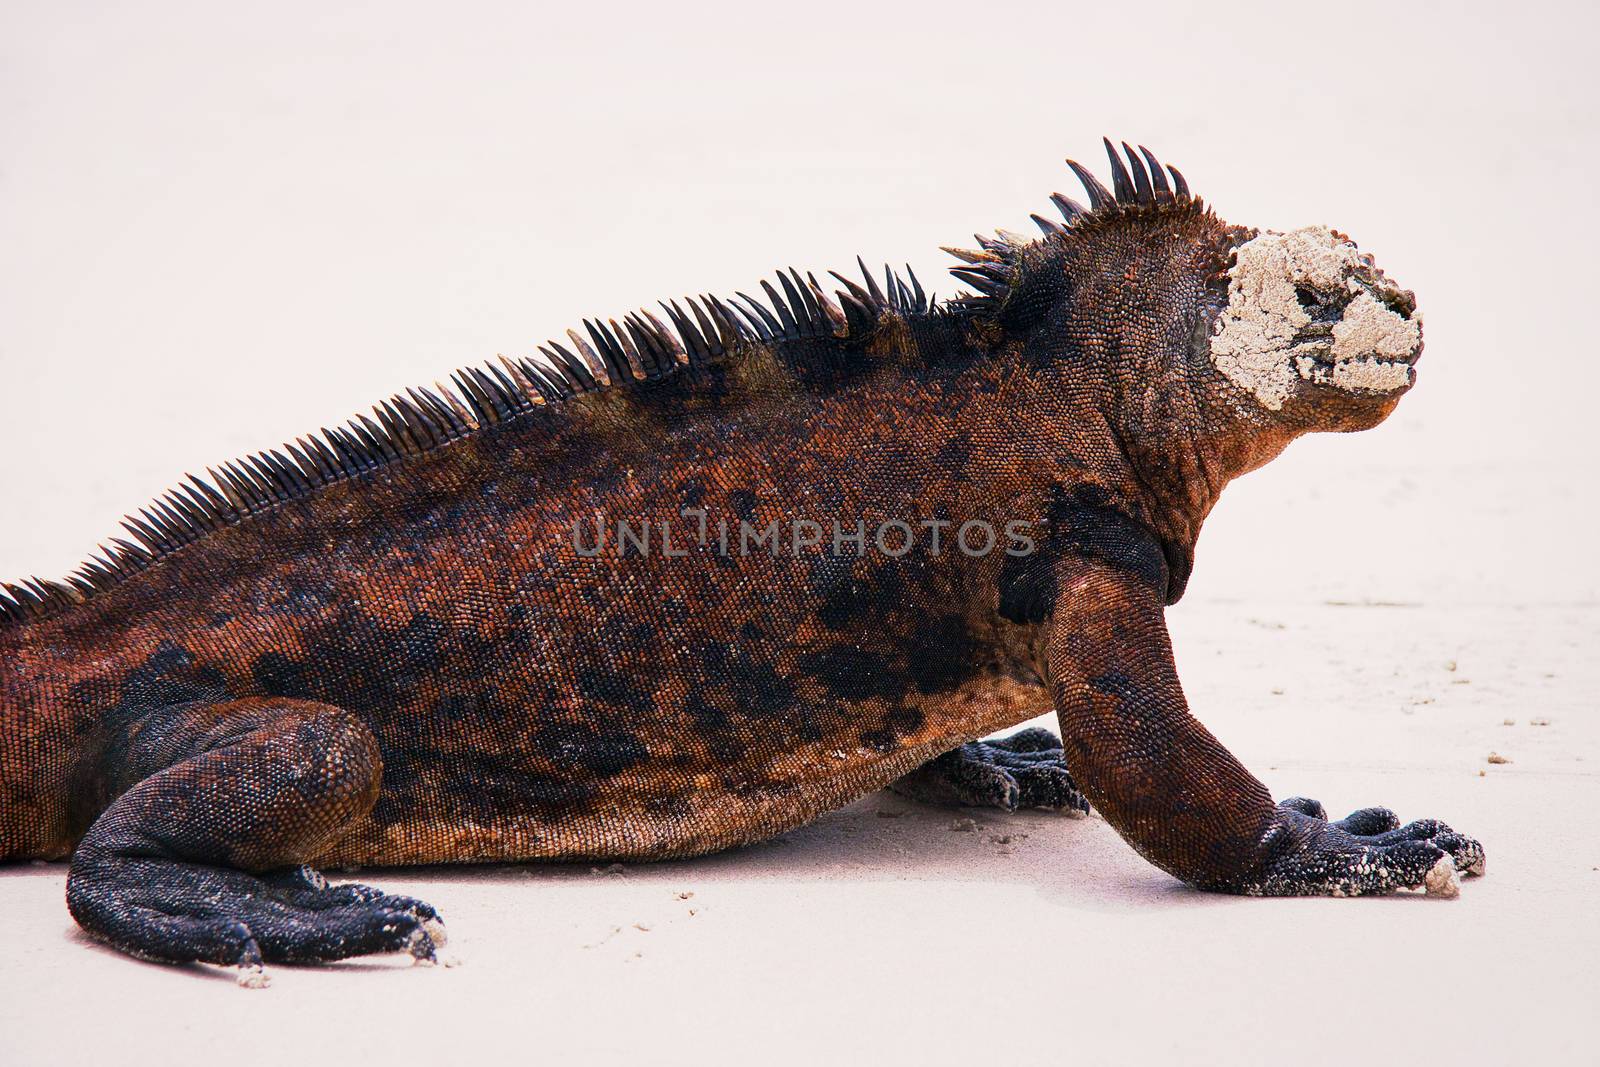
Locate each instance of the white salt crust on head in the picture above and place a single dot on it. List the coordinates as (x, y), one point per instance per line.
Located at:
(1253, 340)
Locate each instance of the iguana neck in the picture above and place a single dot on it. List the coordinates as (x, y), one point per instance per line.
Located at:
(1187, 432)
(1183, 431)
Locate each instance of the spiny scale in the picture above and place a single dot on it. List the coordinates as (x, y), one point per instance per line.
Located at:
(995, 268)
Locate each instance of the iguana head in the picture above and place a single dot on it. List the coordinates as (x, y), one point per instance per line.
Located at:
(1291, 332)
(1314, 331)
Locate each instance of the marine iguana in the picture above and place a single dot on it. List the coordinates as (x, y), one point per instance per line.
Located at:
(414, 638)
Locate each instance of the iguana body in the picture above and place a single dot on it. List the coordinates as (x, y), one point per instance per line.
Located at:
(398, 644)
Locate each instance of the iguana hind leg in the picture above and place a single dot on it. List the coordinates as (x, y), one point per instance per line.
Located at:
(1024, 770)
(200, 859)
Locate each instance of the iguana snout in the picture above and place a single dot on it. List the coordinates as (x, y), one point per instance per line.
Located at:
(1313, 329)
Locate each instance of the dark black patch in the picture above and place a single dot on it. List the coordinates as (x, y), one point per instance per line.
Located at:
(1180, 565)
(942, 654)
(1113, 683)
(896, 724)
(483, 788)
(279, 676)
(706, 715)
(852, 673)
(954, 455)
(769, 692)
(752, 683)
(852, 600)
(1027, 586)
(674, 610)
(1327, 309)
(580, 746)
(354, 662)
(714, 727)
(1137, 703)
(169, 676)
(299, 601)
(482, 705)
(693, 491)
(713, 659)
(743, 502)
(419, 642)
(147, 710)
(1082, 522)
(603, 684)
(826, 575)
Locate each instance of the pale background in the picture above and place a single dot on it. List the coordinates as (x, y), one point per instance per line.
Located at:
(222, 225)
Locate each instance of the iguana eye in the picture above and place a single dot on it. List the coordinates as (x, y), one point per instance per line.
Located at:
(1321, 308)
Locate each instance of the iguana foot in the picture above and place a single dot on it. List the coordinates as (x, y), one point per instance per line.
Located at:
(183, 912)
(194, 861)
(1367, 852)
(1024, 770)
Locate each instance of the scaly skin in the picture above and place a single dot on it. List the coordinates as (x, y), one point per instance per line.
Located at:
(403, 655)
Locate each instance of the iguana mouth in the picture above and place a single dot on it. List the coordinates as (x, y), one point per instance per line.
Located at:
(1360, 374)
(1368, 313)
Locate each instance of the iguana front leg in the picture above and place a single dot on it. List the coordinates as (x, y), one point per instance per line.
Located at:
(1181, 799)
(200, 859)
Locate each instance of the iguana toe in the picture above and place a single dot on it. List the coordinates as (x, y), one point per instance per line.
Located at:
(1024, 770)
(1368, 821)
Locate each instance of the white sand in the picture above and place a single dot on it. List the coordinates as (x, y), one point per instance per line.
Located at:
(221, 227)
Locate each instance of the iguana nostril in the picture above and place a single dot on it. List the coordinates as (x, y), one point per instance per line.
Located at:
(1402, 302)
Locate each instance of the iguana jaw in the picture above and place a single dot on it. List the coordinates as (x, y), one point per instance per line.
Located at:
(1314, 332)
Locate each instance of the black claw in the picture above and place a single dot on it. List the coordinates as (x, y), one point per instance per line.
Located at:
(1051, 788)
